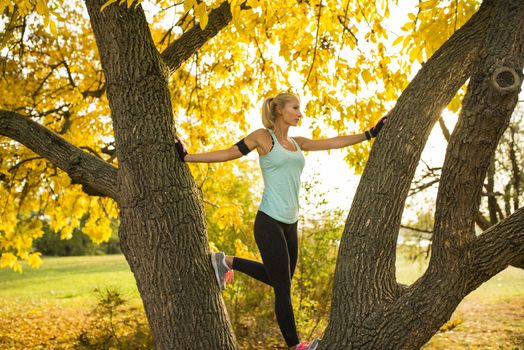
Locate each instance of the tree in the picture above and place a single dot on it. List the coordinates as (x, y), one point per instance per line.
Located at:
(162, 229)
(383, 314)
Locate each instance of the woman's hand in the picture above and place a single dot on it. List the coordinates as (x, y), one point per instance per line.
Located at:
(180, 148)
(373, 132)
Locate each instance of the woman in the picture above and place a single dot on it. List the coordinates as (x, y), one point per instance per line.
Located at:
(281, 161)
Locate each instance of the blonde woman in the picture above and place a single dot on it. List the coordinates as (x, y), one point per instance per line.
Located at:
(281, 161)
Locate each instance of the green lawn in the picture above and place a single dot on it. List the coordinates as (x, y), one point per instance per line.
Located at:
(69, 280)
(509, 283)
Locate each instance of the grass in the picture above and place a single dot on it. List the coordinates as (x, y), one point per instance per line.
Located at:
(49, 306)
(507, 284)
(68, 280)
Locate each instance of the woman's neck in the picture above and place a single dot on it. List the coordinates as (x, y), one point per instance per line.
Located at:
(281, 131)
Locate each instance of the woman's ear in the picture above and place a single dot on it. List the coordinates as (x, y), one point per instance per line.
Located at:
(278, 110)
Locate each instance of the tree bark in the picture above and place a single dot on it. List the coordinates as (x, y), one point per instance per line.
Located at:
(97, 177)
(162, 231)
(370, 310)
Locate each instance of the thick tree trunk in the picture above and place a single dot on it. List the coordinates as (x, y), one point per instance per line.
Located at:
(370, 310)
(162, 230)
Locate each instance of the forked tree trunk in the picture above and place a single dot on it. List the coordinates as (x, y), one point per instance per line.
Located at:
(162, 231)
(370, 309)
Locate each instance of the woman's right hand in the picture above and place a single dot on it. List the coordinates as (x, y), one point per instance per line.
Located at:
(180, 148)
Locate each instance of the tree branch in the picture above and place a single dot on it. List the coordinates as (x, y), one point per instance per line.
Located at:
(95, 93)
(444, 128)
(481, 221)
(185, 46)
(495, 249)
(416, 229)
(97, 177)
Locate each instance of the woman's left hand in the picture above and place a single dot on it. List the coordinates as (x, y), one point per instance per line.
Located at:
(373, 132)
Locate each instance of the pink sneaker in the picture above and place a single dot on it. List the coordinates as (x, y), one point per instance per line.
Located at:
(228, 277)
(303, 345)
(308, 346)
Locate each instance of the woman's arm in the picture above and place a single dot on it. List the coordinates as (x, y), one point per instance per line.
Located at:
(214, 156)
(332, 143)
(236, 151)
(340, 141)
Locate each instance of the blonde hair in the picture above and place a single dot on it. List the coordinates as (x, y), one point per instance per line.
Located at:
(270, 105)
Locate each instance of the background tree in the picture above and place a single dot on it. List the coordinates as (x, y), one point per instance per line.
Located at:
(163, 235)
(503, 188)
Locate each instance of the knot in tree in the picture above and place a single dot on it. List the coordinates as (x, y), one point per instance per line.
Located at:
(505, 80)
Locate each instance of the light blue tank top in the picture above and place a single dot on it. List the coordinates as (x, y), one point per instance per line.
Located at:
(281, 170)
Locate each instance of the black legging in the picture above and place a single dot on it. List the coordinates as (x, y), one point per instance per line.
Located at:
(278, 247)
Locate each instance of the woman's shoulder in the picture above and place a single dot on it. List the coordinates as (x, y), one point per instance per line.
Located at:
(261, 138)
(261, 133)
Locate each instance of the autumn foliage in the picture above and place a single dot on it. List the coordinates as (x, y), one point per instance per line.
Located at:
(341, 56)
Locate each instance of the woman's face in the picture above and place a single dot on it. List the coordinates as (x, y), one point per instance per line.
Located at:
(290, 114)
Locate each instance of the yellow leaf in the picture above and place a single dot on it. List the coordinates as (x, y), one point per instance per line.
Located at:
(316, 133)
(41, 8)
(242, 250)
(109, 2)
(213, 247)
(398, 40)
(366, 75)
(34, 260)
(203, 21)
(407, 44)
(52, 27)
(66, 232)
(188, 5)
(413, 54)
(200, 11)
(9, 260)
(408, 26)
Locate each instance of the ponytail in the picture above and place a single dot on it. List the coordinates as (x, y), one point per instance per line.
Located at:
(268, 115)
(269, 108)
